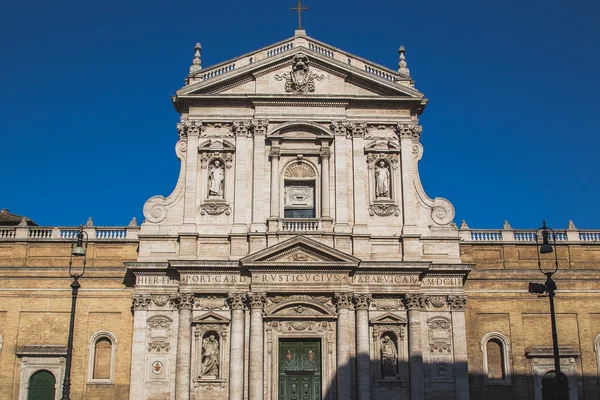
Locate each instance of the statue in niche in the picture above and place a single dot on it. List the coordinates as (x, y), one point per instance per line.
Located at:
(382, 180)
(210, 357)
(216, 176)
(389, 358)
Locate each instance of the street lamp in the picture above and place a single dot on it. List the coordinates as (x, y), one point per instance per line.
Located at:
(549, 287)
(78, 249)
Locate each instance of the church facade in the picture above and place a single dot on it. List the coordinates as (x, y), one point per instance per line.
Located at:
(299, 257)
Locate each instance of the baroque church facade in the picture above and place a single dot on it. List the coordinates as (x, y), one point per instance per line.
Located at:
(298, 257)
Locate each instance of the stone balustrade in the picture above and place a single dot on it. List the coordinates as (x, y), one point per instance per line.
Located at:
(527, 235)
(98, 233)
(300, 224)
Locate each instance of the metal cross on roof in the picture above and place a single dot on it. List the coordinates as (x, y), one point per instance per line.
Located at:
(299, 8)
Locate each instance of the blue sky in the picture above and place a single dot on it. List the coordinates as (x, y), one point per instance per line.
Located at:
(511, 130)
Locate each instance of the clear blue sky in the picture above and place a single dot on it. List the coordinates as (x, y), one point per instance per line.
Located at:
(511, 130)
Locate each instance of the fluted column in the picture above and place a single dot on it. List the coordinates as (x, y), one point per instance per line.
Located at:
(138, 346)
(274, 154)
(458, 305)
(257, 358)
(184, 301)
(236, 351)
(325, 154)
(363, 353)
(415, 351)
(344, 369)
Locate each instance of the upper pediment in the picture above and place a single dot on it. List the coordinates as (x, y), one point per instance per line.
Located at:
(300, 251)
(300, 66)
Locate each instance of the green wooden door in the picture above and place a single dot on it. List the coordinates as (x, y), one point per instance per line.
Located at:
(41, 386)
(299, 369)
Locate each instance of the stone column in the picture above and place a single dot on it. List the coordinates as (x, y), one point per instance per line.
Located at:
(363, 353)
(415, 350)
(236, 353)
(258, 181)
(275, 154)
(257, 358)
(242, 133)
(138, 346)
(339, 129)
(192, 129)
(185, 302)
(344, 330)
(458, 304)
(325, 153)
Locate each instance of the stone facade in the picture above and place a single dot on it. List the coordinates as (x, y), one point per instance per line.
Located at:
(297, 252)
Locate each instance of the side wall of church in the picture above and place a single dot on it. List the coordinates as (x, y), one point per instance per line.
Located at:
(35, 307)
(499, 303)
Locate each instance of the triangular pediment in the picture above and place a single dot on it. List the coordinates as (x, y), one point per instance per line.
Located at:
(389, 319)
(267, 71)
(211, 317)
(300, 251)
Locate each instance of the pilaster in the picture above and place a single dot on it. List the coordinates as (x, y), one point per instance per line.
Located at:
(237, 303)
(363, 351)
(185, 302)
(257, 361)
(414, 304)
(458, 305)
(343, 303)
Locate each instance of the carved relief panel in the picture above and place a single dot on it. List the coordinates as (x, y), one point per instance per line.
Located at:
(439, 335)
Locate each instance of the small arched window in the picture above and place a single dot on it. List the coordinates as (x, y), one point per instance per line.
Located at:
(102, 352)
(496, 359)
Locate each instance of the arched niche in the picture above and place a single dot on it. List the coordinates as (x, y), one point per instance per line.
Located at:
(300, 189)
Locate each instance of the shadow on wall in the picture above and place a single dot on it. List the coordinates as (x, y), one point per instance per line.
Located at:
(440, 383)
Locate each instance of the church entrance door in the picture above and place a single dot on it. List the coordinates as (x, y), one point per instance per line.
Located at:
(299, 369)
(41, 386)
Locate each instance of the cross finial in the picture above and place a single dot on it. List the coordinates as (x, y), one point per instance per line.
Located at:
(299, 8)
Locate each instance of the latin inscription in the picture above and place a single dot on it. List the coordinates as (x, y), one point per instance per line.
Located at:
(154, 280)
(442, 282)
(212, 279)
(386, 280)
(299, 278)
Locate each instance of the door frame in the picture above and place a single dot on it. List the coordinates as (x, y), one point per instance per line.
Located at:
(325, 331)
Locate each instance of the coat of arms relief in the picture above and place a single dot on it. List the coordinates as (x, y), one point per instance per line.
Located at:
(300, 80)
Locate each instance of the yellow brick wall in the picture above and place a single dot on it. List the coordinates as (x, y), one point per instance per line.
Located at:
(499, 302)
(35, 305)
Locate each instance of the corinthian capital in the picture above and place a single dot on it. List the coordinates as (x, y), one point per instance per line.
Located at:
(343, 300)
(339, 127)
(416, 301)
(458, 302)
(256, 300)
(237, 301)
(260, 126)
(182, 301)
(362, 301)
(411, 131)
(141, 301)
(242, 128)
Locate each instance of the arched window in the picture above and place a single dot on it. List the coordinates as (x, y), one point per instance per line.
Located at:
(102, 351)
(496, 359)
(300, 190)
(42, 386)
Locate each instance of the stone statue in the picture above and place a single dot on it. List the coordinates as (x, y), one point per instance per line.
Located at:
(382, 180)
(210, 357)
(389, 358)
(216, 177)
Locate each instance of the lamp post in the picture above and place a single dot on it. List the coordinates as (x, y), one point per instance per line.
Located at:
(78, 249)
(549, 287)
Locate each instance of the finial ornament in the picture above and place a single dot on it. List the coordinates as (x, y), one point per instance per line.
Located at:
(571, 225)
(506, 225)
(402, 66)
(197, 63)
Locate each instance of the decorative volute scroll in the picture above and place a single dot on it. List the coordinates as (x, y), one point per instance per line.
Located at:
(300, 80)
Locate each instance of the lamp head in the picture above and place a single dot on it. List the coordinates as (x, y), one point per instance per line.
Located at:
(79, 250)
(545, 248)
(537, 288)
